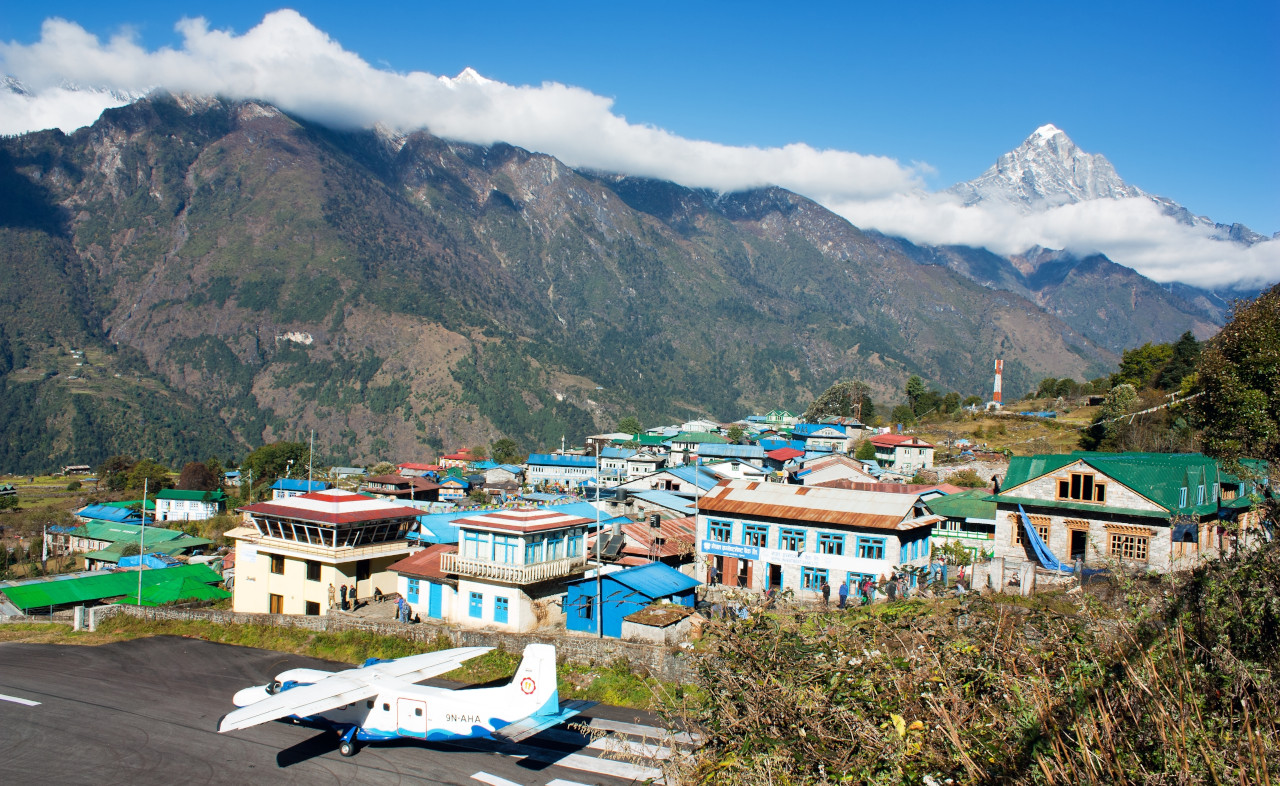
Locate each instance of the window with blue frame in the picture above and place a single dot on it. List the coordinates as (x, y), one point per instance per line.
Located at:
(573, 545)
(500, 610)
(413, 590)
(505, 548)
(791, 540)
(471, 542)
(1182, 497)
(870, 548)
(830, 544)
(476, 609)
(555, 547)
(719, 530)
(756, 535)
(812, 578)
(586, 606)
(533, 552)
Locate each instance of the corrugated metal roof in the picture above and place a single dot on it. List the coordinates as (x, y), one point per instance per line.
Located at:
(294, 484)
(814, 504)
(559, 460)
(731, 451)
(655, 580)
(108, 513)
(976, 504)
(666, 499)
(89, 588)
(1160, 477)
(425, 563)
(114, 532)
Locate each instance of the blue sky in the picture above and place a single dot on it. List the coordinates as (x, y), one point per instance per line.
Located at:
(1182, 99)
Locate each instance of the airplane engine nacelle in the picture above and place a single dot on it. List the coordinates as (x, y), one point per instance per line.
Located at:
(302, 676)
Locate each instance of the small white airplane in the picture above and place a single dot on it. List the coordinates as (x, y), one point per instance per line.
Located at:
(379, 700)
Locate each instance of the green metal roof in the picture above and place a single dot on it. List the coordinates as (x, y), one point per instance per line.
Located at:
(975, 504)
(126, 503)
(171, 548)
(1160, 477)
(53, 591)
(114, 532)
(641, 439)
(174, 591)
(699, 437)
(198, 496)
(1088, 507)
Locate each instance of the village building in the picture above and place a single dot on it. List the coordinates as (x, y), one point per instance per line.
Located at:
(763, 536)
(1152, 511)
(969, 518)
(180, 505)
(643, 463)
(418, 469)
(833, 467)
(560, 470)
(598, 605)
(902, 454)
(613, 464)
(508, 571)
(398, 487)
(685, 446)
(752, 454)
(454, 488)
(596, 443)
(503, 474)
(288, 487)
(823, 436)
(460, 459)
(687, 480)
(294, 555)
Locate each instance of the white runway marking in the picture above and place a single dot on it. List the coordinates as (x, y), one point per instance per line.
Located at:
(492, 780)
(560, 782)
(17, 700)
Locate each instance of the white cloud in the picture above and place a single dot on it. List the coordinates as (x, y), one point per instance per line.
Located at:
(287, 61)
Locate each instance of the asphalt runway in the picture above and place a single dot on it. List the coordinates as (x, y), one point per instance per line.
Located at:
(145, 712)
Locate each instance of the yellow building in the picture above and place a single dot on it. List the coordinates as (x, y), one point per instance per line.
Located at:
(296, 554)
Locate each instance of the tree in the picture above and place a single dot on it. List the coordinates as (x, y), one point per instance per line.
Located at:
(197, 477)
(915, 393)
(735, 434)
(479, 451)
(149, 475)
(967, 478)
(848, 399)
(972, 401)
(216, 467)
(507, 451)
(382, 468)
(1238, 377)
(1139, 367)
(1047, 388)
(113, 473)
(9, 502)
(630, 425)
(1186, 354)
(951, 402)
(270, 462)
(903, 414)
(865, 451)
(1101, 435)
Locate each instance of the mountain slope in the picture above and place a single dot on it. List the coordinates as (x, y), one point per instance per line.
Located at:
(405, 294)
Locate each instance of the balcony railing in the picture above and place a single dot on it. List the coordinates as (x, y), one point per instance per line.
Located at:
(510, 574)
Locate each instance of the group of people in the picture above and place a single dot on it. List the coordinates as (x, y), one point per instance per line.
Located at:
(348, 597)
(896, 586)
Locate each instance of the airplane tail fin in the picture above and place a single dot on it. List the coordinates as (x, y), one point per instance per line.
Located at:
(533, 688)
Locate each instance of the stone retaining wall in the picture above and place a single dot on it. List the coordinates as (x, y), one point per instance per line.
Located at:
(664, 663)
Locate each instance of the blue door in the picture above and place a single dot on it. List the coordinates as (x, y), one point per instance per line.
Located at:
(433, 600)
(500, 610)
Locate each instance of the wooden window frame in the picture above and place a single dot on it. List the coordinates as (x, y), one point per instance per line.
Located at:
(1121, 541)
(1043, 525)
(1075, 483)
(277, 560)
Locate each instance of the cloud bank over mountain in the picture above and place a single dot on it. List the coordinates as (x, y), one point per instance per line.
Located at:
(69, 76)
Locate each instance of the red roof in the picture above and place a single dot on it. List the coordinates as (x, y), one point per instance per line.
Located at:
(332, 507)
(417, 465)
(461, 455)
(784, 454)
(894, 440)
(425, 563)
(673, 532)
(522, 520)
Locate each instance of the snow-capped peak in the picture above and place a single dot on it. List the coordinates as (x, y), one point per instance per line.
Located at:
(1046, 132)
(468, 76)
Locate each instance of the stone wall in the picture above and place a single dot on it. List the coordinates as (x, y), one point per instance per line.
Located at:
(663, 663)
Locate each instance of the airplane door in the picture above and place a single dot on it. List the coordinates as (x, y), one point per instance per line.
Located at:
(411, 717)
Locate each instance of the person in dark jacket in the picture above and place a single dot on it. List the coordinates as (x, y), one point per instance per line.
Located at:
(826, 593)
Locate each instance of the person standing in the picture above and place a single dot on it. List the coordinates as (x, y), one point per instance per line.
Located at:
(344, 597)
(844, 594)
(826, 593)
(892, 587)
(333, 595)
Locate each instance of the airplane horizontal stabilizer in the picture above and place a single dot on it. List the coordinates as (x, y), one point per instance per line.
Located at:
(523, 729)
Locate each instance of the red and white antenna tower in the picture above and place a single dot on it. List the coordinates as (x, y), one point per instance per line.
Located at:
(995, 393)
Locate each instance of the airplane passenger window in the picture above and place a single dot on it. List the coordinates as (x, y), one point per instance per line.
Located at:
(369, 704)
(418, 712)
(386, 707)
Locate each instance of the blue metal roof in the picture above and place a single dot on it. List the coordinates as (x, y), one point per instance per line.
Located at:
(654, 580)
(305, 486)
(667, 500)
(808, 429)
(483, 465)
(109, 513)
(705, 478)
(771, 445)
(559, 460)
(731, 451)
(618, 453)
(514, 469)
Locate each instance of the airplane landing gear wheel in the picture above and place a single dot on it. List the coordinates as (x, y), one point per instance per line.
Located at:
(347, 748)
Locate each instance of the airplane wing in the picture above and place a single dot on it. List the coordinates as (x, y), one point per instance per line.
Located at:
(302, 700)
(346, 687)
(417, 668)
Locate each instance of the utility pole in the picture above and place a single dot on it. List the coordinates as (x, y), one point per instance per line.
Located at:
(310, 452)
(599, 561)
(142, 538)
